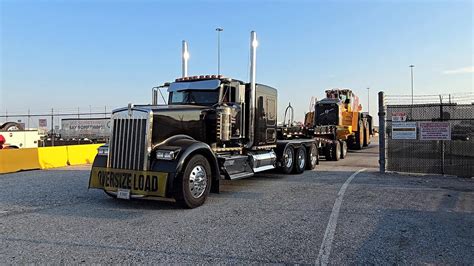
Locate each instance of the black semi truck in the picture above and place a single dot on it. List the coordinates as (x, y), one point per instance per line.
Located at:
(212, 128)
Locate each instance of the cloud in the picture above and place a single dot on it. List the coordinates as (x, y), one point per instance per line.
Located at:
(464, 70)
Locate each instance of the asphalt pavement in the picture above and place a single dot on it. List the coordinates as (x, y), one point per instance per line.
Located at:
(331, 215)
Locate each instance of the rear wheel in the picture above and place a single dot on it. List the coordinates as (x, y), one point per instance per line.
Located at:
(300, 160)
(336, 146)
(312, 157)
(343, 149)
(193, 186)
(287, 160)
(359, 137)
(333, 151)
(366, 135)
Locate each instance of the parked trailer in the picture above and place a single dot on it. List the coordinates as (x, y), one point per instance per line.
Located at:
(212, 128)
(81, 128)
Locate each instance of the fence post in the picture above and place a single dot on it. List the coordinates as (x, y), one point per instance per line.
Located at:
(441, 117)
(382, 113)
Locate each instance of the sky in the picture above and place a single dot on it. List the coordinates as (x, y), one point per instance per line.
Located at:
(90, 54)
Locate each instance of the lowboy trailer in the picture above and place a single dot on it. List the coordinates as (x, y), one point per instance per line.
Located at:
(212, 128)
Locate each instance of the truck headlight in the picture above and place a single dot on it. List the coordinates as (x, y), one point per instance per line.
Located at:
(166, 154)
(103, 150)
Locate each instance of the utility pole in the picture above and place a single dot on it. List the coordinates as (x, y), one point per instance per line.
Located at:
(411, 69)
(52, 127)
(219, 30)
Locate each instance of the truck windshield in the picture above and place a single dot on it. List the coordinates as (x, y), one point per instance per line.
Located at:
(200, 97)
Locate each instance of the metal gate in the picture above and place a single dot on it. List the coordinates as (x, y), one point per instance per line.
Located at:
(415, 154)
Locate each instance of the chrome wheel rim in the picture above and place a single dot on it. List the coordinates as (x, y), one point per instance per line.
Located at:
(288, 158)
(197, 181)
(301, 159)
(314, 157)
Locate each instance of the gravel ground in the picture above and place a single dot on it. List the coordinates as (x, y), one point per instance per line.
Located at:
(51, 217)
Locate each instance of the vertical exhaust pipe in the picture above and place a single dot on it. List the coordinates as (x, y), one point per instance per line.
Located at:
(252, 102)
(185, 57)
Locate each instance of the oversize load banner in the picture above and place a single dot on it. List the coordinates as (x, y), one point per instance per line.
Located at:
(138, 182)
(435, 131)
(404, 130)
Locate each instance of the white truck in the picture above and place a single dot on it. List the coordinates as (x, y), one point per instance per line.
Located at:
(17, 137)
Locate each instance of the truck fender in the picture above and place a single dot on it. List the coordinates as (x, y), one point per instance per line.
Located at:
(187, 148)
(100, 160)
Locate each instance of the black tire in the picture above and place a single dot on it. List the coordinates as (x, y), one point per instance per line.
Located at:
(288, 159)
(333, 151)
(12, 126)
(193, 185)
(336, 146)
(312, 157)
(300, 160)
(359, 137)
(366, 135)
(343, 149)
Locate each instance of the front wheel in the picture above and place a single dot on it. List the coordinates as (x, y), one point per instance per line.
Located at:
(194, 184)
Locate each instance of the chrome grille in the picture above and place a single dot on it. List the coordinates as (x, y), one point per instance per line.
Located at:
(129, 143)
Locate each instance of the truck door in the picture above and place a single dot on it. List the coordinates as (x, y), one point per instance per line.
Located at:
(270, 119)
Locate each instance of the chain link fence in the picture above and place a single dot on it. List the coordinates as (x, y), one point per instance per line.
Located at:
(62, 126)
(410, 131)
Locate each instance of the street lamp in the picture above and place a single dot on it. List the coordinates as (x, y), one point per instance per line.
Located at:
(411, 69)
(368, 100)
(219, 50)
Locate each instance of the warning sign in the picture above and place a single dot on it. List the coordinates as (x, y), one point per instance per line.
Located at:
(435, 131)
(399, 117)
(404, 130)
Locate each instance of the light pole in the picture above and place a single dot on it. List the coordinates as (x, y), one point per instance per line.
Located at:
(219, 50)
(411, 69)
(368, 100)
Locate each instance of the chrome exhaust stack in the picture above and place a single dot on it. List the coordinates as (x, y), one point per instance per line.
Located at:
(185, 58)
(252, 102)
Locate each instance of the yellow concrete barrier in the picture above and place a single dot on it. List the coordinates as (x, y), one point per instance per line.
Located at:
(82, 154)
(14, 160)
(51, 157)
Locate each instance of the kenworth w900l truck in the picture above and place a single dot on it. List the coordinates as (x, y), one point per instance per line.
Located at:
(211, 128)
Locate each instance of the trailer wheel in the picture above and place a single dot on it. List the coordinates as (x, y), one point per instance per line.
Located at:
(300, 160)
(336, 147)
(193, 185)
(287, 160)
(312, 157)
(343, 149)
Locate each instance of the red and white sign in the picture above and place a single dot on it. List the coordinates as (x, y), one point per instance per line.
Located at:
(435, 131)
(399, 117)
